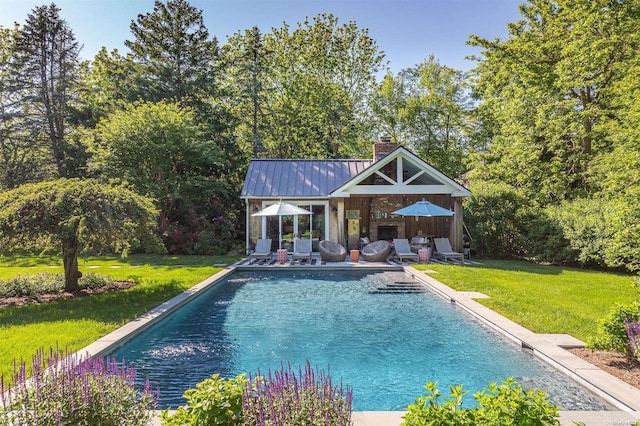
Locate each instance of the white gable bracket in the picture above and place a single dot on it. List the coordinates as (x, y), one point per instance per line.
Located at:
(385, 177)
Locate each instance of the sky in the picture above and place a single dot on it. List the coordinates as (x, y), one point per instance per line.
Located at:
(408, 31)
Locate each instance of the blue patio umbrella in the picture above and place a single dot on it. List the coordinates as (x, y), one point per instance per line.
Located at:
(424, 208)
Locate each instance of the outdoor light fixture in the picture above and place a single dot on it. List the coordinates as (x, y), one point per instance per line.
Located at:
(334, 209)
(256, 209)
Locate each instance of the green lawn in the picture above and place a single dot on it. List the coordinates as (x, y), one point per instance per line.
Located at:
(75, 323)
(544, 299)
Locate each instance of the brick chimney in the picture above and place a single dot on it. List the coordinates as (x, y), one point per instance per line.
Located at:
(383, 147)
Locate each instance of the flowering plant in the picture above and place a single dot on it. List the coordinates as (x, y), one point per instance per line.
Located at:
(68, 389)
(633, 331)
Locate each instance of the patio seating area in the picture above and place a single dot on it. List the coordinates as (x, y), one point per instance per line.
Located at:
(376, 254)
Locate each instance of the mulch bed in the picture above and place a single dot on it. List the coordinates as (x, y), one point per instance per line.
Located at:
(46, 298)
(614, 363)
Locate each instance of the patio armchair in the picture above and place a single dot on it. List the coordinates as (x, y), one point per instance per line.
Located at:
(403, 250)
(301, 250)
(331, 252)
(444, 250)
(262, 251)
(377, 251)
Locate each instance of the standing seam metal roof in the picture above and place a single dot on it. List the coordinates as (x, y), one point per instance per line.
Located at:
(299, 178)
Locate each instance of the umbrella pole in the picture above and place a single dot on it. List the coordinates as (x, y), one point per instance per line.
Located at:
(279, 231)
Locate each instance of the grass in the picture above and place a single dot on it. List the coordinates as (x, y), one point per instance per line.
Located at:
(75, 323)
(544, 299)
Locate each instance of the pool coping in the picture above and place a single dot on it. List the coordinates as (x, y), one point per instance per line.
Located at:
(619, 394)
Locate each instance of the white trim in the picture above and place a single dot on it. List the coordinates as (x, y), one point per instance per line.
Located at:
(400, 155)
(385, 177)
(311, 202)
(247, 227)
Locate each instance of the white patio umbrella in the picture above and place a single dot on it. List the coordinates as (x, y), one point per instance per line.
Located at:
(282, 209)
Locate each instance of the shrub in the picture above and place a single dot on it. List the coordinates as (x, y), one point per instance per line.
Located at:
(279, 399)
(199, 235)
(94, 281)
(214, 401)
(508, 404)
(505, 404)
(67, 389)
(32, 285)
(491, 214)
(48, 283)
(612, 329)
(585, 225)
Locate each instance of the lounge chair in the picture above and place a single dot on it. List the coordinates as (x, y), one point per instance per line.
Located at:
(377, 251)
(403, 249)
(301, 250)
(262, 251)
(444, 250)
(331, 252)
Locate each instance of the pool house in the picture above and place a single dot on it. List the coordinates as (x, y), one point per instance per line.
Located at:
(351, 199)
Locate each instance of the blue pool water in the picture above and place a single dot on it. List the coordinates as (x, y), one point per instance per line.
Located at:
(386, 346)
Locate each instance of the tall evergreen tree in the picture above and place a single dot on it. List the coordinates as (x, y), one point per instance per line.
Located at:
(23, 152)
(247, 64)
(47, 55)
(176, 54)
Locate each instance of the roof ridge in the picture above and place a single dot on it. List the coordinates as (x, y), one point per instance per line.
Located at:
(315, 159)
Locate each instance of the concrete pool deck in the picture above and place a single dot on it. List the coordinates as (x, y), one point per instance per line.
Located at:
(550, 348)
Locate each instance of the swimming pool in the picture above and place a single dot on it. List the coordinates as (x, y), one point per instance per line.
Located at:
(383, 342)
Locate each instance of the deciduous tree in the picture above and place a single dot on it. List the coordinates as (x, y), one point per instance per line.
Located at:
(426, 107)
(76, 215)
(158, 149)
(178, 62)
(547, 88)
(315, 81)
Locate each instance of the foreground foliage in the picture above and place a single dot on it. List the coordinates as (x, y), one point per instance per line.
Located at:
(504, 404)
(282, 398)
(214, 401)
(613, 331)
(67, 389)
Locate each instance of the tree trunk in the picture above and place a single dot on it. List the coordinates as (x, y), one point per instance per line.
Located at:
(71, 272)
